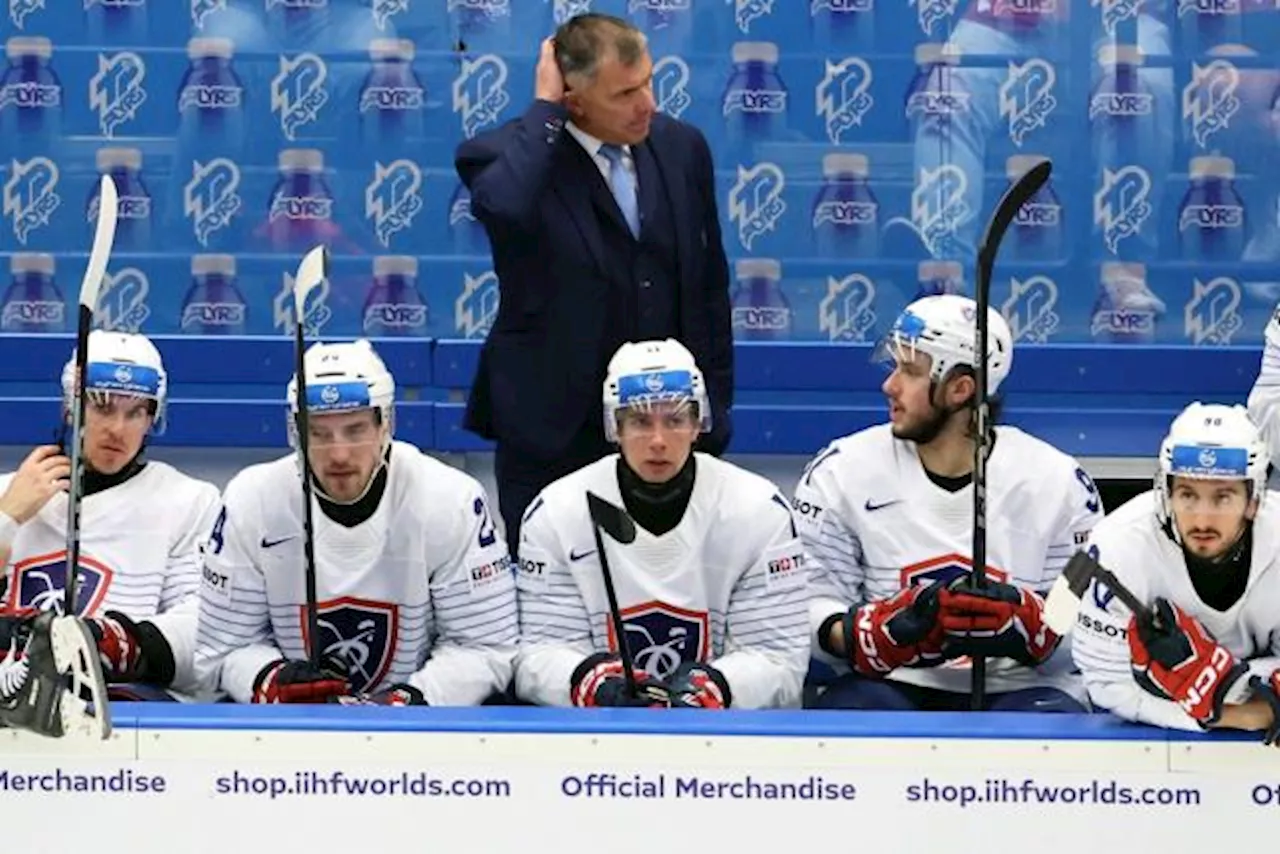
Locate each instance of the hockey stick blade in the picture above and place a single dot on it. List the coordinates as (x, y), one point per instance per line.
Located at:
(612, 519)
(1017, 195)
(1063, 602)
(311, 273)
(104, 238)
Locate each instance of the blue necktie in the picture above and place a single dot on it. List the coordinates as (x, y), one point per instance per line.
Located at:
(623, 184)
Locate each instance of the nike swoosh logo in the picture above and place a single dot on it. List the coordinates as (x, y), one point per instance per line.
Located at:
(266, 544)
(871, 508)
(574, 556)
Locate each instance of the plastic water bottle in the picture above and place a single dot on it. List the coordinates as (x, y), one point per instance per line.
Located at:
(1037, 233)
(1121, 106)
(133, 228)
(213, 304)
(117, 22)
(668, 24)
(33, 302)
(933, 99)
(1206, 24)
(301, 212)
(935, 278)
(211, 102)
(755, 98)
(846, 220)
(30, 99)
(1125, 311)
(469, 237)
(488, 25)
(760, 308)
(1211, 218)
(1130, 154)
(394, 305)
(842, 24)
(392, 99)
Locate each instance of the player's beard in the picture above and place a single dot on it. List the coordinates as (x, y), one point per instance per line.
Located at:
(930, 427)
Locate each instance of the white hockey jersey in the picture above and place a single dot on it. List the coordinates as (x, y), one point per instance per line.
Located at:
(139, 554)
(875, 524)
(726, 586)
(421, 592)
(1264, 397)
(1143, 559)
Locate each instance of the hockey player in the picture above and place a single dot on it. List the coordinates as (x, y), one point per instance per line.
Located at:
(712, 591)
(416, 600)
(1264, 397)
(142, 523)
(1202, 550)
(887, 515)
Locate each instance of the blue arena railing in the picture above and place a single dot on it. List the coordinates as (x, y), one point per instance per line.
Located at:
(1089, 400)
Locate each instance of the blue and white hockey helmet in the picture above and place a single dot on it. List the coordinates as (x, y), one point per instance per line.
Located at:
(644, 373)
(944, 328)
(344, 377)
(1211, 441)
(122, 363)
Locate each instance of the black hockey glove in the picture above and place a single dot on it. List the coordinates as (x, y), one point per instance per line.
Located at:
(399, 694)
(600, 681)
(1269, 690)
(698, 686)
(286, 681)
(132, 652)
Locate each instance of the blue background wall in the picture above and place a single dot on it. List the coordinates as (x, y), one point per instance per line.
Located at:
(933, 130)
(244, 131)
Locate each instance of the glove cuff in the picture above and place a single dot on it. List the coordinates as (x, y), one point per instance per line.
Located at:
(591, 662)
(1237, 672)
(157, 666)
(1269, 690)
(412, 695)
(259, 695)
(721, 683)
(824, 635)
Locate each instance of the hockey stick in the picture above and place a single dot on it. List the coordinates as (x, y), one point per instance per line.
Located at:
(104, 237)
(311, 273)
(1063, 602)
(618, 525)
(1014, 198)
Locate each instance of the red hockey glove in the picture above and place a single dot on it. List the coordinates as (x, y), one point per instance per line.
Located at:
(399, 694)
(698, 686)
(118, 646)
(997, 620)
(600, 681)
(901, 631)
(1175, 658)
(301, 682)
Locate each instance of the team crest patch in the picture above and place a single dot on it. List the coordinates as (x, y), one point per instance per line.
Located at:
(39, 582)
(946, 568)
(661, 636)
(361, 632)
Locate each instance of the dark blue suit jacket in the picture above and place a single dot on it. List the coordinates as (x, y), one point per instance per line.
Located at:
(539, 196)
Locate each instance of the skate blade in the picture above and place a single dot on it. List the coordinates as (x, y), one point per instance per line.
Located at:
(84, 708)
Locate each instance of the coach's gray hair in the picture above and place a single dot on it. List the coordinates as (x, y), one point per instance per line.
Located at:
(584, 40)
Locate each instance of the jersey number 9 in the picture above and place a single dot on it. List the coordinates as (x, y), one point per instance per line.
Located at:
(1094, 501)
